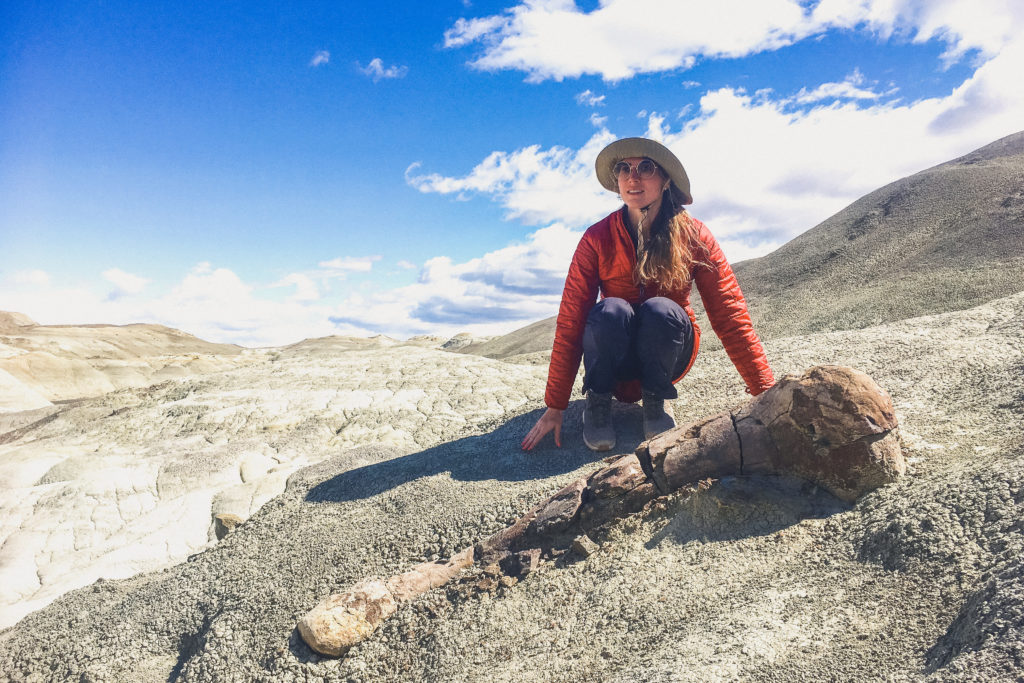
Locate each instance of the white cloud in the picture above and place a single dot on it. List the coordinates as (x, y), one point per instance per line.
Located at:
(29, 278)
(305, 288)
(406, 265)
(212, 303)
(377, 71)
(984, 25)
(496, 293)
(124, 283)
(589, 99)
(321, 57)
(763, 170)
(554, 39)
(536, 186)
(598, 121)
(849, 88)
(684, 111)
(345, 264)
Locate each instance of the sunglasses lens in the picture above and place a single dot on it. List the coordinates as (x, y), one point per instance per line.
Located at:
(645, 169)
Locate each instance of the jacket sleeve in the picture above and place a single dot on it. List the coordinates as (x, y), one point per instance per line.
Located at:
(578, 297)
(729, 317)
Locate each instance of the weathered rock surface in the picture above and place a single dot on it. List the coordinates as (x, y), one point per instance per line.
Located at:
(133, 481)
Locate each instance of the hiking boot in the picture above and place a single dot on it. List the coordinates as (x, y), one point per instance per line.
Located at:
(656, 418)
(598, 432)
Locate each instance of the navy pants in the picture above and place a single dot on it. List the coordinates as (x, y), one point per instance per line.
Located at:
(651, 342)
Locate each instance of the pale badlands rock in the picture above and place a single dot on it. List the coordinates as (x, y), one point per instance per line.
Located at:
(131, 481)
(63, 362)
(16, 396)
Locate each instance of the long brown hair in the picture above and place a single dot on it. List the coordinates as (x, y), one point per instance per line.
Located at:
(669, 248)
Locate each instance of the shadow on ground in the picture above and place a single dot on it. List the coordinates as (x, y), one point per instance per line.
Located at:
(493, 455)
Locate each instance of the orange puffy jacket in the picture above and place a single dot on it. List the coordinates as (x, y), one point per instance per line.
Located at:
(604, 262)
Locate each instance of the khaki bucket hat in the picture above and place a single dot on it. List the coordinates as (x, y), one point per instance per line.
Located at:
(641, 147)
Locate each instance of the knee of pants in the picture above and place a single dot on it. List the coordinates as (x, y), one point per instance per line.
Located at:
(608, 330)
(610, 310)
(664, 313)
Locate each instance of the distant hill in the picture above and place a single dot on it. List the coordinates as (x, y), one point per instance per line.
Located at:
(40, 364)
(945, 239)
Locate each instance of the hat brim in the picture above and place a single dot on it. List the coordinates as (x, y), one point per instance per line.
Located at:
(627, 148)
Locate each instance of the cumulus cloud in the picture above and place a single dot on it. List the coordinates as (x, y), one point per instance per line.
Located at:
(766, 167)
(305, 287)
(211, 302)
(555, 39)
(850, 88)
(589, 99)
(28, 278)
(124, 283)
(320, 58)
(493, 294)
(338, 267)
(377, 71)
(534, 185)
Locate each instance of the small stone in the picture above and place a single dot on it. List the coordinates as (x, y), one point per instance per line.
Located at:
(584, 546)
(521, 563)
(224, 523)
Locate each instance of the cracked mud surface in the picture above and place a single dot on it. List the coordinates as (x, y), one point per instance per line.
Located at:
(754, 579)
(129, 482)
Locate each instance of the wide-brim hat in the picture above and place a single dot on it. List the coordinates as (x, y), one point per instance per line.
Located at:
(627, 148)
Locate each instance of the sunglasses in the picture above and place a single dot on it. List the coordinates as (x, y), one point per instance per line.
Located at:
(644, 169)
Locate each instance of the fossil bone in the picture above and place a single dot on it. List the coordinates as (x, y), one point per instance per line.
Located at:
(832, 425)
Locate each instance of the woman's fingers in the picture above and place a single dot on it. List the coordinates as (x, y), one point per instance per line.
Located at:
(535, 435)
(551, 419)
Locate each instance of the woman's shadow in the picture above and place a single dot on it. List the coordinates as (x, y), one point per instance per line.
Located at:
(493, 455)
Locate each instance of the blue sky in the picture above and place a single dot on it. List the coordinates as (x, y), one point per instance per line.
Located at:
(261, 173)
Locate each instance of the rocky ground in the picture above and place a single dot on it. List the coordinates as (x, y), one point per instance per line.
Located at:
(754, 579)
(131, 481)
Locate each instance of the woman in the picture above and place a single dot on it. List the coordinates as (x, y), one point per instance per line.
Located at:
(642, 336)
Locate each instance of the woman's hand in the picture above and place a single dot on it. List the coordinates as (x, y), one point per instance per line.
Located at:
(551, 419)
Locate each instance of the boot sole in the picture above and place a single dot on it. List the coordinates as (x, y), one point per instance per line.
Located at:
(600, 446)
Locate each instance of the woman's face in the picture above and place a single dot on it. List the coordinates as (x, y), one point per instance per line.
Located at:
(636, 190)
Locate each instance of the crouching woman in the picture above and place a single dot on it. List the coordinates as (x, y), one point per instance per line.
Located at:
(625, 307)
